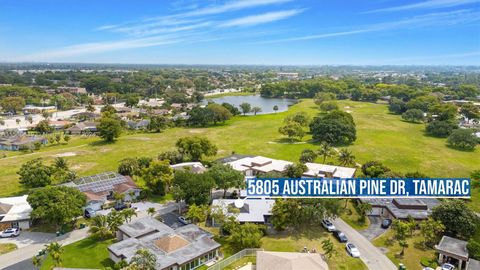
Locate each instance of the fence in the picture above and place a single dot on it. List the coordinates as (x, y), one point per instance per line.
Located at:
(235, 257)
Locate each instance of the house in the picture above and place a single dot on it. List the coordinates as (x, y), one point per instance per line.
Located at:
(152, 102)
(83, 128)
(258, 210)
(453, 251)
(59, 125)
(19, 142)
(252, 166)
(184, 248)
(82, 116)
(138, 125)
(195, 167)
(72, 90)
(401, 208)
(100, 188)
(268, 260)
(15, 212)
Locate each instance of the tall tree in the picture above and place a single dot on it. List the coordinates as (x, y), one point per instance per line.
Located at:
(144, 260)
(226, 177)
(457, 218)
(326, 151)
(245, 107)
(191, 187)
(292, 130)
(109, 128)
(308, 155)
(56, 205)
(400, 230)
(336, 127)
(158, 177)
(55, 251)
(346, 158)
(430, 230)
(247, 235)
(12, 104)
(195, 147)
(34, 174)
(256, 110)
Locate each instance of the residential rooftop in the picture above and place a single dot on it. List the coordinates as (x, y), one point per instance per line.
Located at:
(253, 210)
(417, 208)
(453, 246)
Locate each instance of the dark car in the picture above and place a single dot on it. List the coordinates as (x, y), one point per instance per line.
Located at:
(340, 236)
(121, 206)
(386, 223)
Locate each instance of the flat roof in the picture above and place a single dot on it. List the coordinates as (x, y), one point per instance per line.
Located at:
(170, 246)
(254, 210)
(402, 212)
(15, 208)
(453, 246)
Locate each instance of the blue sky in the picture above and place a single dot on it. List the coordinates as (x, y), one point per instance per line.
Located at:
(285, 32)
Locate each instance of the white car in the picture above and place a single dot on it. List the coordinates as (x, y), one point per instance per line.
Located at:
(447, 266)
(183, 220)
(327, 224)
(12, 232)
(428, 268)
(352, 250)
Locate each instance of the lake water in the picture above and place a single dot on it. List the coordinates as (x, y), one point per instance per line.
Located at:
(255, 101)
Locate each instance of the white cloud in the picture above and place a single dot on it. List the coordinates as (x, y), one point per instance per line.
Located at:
(431, 4)
(261, 18)
(427, 20)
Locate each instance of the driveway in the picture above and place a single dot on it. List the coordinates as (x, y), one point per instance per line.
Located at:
(171, 219)
(373, 258)
(375, 229)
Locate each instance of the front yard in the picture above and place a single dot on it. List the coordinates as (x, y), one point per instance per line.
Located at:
(88, 253)
(414, 253)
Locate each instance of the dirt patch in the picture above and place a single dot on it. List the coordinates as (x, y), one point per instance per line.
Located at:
(286, 142)
(65, 154)
(139, 138)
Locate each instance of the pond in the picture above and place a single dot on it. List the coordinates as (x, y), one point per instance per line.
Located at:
(266, 104)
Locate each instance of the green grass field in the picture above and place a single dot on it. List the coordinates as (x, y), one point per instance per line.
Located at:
(381, 136)
(7, 247)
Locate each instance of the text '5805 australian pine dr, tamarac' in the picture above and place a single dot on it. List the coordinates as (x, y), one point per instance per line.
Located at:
(358, 187)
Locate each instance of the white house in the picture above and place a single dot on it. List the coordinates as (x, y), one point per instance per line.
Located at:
(257, 210)
(15, 212)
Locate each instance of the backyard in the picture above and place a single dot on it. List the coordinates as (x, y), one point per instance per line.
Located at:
(380, 136)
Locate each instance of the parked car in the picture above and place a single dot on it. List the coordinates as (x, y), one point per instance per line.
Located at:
(386, 223)
(183, 220)
(12, 232)
(120, 206)
(352, 250)
(89, 213)
(447, 266)
(340, 236)
(427, 268)
(327, 224)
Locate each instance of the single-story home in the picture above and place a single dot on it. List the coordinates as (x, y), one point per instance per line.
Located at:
(83, 128)
(401, 208)
(195, 167)
(253, 210)
(268, 260)
(100, 188)
(19, 142)
(15, 212)
(138, 125)
(184, 248)
(252, 166)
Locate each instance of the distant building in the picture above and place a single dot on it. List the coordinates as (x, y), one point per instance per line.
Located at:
(15, 212)
(184, 248)
(72, 90)
(138, 125)
(100, 188)
(252, 166)
(152, 102)
(401, 208)
(268, 260)
(252, 211)
(20, 142)
(287, 75)
(83, 128)
(31, 109)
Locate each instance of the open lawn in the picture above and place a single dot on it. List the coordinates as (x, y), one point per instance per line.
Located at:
(413, 253)
(381, 136)
(87, 253)
(350, 215)
(5, 248)
(312, 238)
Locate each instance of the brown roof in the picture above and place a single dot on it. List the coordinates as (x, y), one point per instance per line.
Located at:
(93, 196)
(171, 243)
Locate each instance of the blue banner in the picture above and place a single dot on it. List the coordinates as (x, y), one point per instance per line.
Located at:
(359, 187)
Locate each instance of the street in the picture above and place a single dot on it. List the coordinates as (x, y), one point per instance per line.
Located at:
(369, 254)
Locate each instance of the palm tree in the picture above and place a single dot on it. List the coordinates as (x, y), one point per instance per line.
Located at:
(55, 251)
(115, 220)
(128, 214)
(37, 261)
(144, 259)
(345, 157)
(99, 227)
(151, 211)
(326, 151)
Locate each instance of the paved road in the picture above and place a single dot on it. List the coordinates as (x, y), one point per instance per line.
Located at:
(370, 255)
(29, 251)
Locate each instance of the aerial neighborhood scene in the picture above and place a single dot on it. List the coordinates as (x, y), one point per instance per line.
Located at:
(240, 134)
